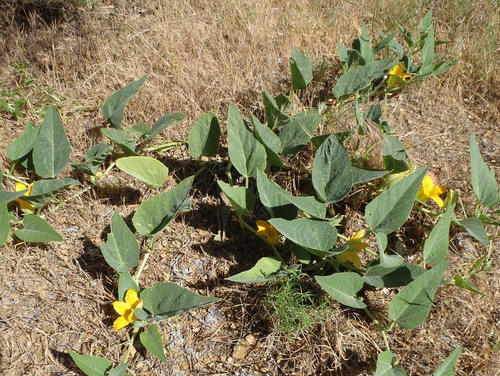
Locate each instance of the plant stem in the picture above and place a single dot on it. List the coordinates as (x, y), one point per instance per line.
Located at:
(130, 344)
(149, 250)
(71, 198)
(169, 145)
(380, 327)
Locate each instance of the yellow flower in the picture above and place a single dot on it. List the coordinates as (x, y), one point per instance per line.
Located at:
(126, 309)
(25, 205)
(397, 74)
(355, 244)
(266, 229)
(430, 191)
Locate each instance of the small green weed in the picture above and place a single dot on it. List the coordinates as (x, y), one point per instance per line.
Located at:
(293, 307)
(29, 95)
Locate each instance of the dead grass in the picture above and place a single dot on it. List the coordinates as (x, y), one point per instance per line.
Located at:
(201, 57)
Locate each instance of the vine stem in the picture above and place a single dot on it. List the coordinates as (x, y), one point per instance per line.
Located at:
(169, 145)
(380, 327)
(130, 344)
(148, 253)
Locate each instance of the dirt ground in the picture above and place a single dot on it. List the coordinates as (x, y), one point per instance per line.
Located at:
(56, 297)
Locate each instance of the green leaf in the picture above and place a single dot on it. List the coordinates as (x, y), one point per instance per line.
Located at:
(301, 70)
(264, 270)
(121, 251)
(463, 284)
(447, 368)
(155, 213)
(275, 118)
(124, 141)
(483, 179)
(166, 299)
(119, 370)
(125, 283)
(301, 253)
(246, 153)
(113, 108)
(44, 190)
(331, 173)
(152, 341)
(362, 175)
(392, 276)
(52, 149)
(426, 23)
(150, 171)
(410, 307)
(362, 44)
(386, 41)
(285, 105)
(309, 205)
(204, 137)
(298, 131)
(93, 159)
(274, 198)
(394, 155)
(270, 140)
(387, 212)
(4, 222)
(343, 136)
(428, 54)
(343, 288)
(436, 245)
(354, 59)
(8, 196)
(360, 78)
(164, 122)
(308, 233)
(91, 365)
(36, 230)
(386, 261)
(20, 147)
(241, 198)
(139, 130)
(475, 228)
(384, 365)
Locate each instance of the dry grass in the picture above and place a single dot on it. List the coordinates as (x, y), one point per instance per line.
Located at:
(201, 57)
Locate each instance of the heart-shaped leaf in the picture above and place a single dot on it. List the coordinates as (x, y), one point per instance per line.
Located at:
(264, 270)
(343, 287)
(121, 251)
(155, 213)
(36, 230)
(410, 307)
(246, 153)
(331, 173)
(52, 149)
(114, 107)
(204, 137)
(152, 341)
(150, 171)
(166, 299)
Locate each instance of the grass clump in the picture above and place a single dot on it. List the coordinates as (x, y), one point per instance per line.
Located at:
(292, 307)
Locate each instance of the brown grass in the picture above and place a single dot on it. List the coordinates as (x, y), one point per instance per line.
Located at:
(202, 56)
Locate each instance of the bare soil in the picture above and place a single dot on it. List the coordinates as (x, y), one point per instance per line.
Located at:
(200, 57)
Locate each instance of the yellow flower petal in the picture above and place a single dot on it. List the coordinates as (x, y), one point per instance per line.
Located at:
(430, 191)
(131, 297)
(25, 205)
(120, 322)
(397, 74)
(268, 230)
(352, 257)
(121, 307)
